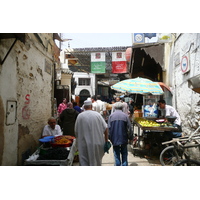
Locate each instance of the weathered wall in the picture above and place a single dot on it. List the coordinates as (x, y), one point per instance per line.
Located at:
(25, 79)
(8, 83)
(2, 114)
(186, 101)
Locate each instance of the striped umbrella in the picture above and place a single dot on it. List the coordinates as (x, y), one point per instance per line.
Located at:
(138, 86)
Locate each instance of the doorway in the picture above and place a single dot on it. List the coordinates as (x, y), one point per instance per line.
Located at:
(84, 94)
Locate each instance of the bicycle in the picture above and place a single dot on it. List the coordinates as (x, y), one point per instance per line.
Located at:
(187, 161)
(176, 153)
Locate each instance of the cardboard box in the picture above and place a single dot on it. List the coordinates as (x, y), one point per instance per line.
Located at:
(138, 113)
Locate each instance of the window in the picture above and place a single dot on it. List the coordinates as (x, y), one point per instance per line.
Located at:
(97, 55)
(119, 55)
(84, 81)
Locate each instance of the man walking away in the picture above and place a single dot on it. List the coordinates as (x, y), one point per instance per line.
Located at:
(120, 131)
(94, 103)
(68, 119)
(91, 133)
(101, 107)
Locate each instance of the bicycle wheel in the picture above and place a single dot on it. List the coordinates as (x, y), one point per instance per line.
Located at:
(188, 162)
(169, 156)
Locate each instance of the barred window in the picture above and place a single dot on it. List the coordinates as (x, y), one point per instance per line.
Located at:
(84, 81)
(119, 55)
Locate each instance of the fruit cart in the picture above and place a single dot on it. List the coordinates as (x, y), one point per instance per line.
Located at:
(66, 159)
(150, 132)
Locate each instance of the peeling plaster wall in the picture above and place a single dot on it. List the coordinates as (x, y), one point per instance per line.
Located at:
(8, 82)
(186, 101)
(1, 129)
(24, 79)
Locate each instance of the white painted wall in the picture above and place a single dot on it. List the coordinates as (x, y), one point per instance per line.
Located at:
(91, 88)
(186, 101)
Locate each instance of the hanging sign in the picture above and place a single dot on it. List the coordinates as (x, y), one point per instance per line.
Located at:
(98, 63)
(139, 38)
(149, 35)
(164, 37)
(185, 67)
(119, 62)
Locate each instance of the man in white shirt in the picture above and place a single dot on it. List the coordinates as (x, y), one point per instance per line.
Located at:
(167, 110)
(101, 107)
(94, 103)
(51, 128)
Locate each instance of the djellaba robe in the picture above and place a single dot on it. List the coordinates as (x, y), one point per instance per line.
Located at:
(89, 131)
(68, 118)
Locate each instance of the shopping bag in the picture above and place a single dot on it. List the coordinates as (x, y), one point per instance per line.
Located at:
(107, 146)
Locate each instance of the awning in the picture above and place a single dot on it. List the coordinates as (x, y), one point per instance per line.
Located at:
(194, 83)
(164, 86)
(154, 50)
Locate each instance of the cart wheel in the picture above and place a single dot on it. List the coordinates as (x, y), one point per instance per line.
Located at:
(187, 163)
(169, 156)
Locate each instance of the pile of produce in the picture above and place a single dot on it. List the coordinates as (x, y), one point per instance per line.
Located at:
(63, 141)
(150, 123)
(146, 123)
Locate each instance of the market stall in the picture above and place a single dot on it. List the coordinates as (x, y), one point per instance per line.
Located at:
(150, 90)
(151, 131)
(58, 151)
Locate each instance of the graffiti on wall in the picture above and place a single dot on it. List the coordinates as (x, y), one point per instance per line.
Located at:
(26, 110)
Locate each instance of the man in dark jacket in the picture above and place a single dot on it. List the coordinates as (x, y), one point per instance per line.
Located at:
(120, 130)
(68, 119)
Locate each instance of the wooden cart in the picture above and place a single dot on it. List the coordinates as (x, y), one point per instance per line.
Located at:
(151, 134)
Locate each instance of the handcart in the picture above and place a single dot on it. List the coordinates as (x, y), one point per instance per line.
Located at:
(33, 159)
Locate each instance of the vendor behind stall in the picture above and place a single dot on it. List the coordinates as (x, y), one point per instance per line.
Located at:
(167, 110)
(51, 128)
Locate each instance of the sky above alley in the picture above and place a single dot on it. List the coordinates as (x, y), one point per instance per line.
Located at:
(86, 40)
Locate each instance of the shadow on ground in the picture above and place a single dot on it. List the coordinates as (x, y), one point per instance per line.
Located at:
(152, 156)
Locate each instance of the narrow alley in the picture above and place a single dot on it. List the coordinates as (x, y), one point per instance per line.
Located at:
(43, 71)
(108, 159)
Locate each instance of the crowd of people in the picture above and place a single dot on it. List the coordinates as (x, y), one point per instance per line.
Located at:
(96, 127)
